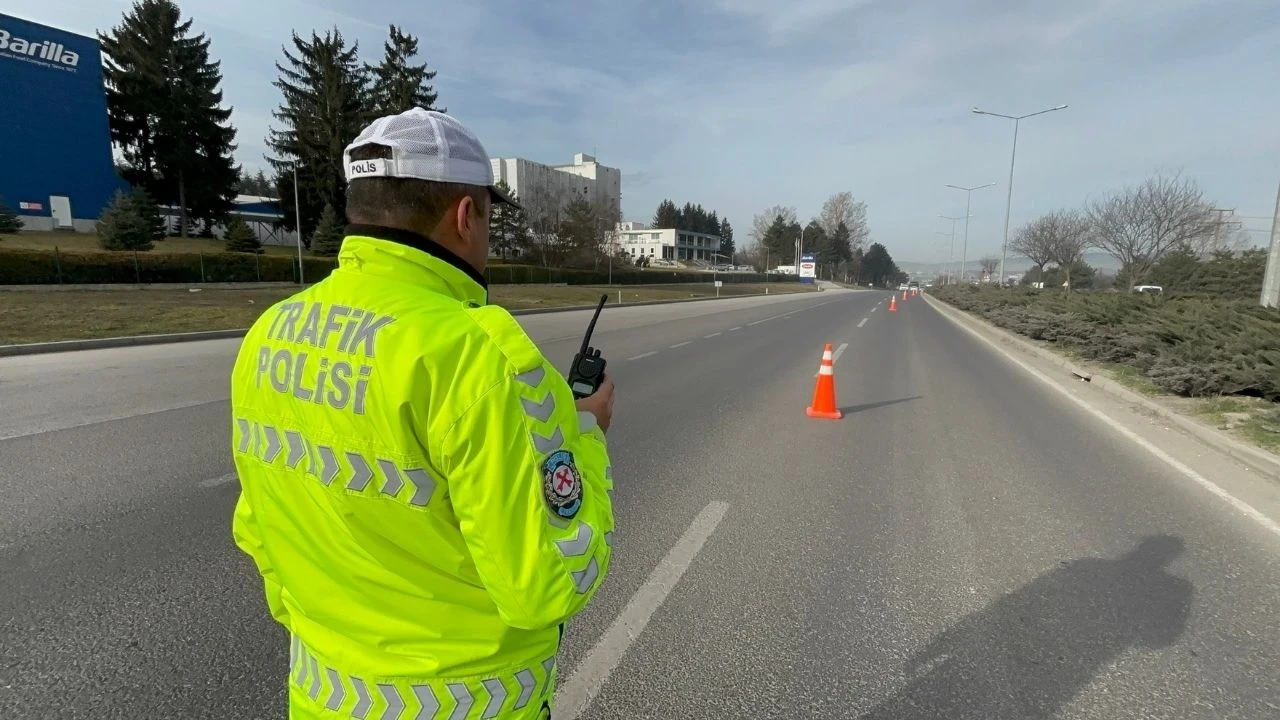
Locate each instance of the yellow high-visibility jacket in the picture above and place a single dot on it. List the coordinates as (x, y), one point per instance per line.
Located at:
(424, 503)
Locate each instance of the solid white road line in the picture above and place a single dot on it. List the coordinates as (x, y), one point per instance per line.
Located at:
(642, 356)
(680, 345)
(220, 480)
(864, 322)
(712, 335)
(593, 671)
(1235, 502)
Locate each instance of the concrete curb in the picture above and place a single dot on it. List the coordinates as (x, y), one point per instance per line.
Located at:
(1255, 458)
(162, 339)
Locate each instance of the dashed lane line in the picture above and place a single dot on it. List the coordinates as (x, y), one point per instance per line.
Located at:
(642, 356)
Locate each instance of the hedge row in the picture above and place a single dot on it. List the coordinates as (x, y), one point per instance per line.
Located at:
(1189, 346)
(38, 267)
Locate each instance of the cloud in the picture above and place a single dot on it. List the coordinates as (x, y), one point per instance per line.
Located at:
(744, 104)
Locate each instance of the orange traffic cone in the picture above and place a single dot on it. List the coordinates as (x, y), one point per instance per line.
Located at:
(824, 391)
(893, 303)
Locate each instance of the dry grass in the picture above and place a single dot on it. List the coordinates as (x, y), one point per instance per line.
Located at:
(28, 316)
(88, 242)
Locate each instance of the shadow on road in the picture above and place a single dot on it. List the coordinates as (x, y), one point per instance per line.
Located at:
(1027, 654)
(872, 406)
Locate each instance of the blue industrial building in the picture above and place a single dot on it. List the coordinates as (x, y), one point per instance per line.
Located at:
(56, 167)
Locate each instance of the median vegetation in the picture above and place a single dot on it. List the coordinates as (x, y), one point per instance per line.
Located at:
(1186, 346)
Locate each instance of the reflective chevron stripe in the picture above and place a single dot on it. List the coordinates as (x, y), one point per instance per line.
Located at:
(361, 473)
(463, 700)
(394, 703)
(297, 448)
(427, 702)
(547, 445)
(534, 377)
(585, 578)
(363, 701)
(337, 692)
(579, 545)
(497, 696)
(354, 471)
(246, 435)
(330, 688)
(539, 411)
(528, 683)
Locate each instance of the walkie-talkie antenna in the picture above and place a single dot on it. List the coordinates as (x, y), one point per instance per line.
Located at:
(586, 339)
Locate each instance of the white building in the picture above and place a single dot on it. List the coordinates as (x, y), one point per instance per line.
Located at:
(541, 186)
(670, 244)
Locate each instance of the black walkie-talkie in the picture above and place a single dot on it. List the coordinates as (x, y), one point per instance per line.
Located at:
(588, 367)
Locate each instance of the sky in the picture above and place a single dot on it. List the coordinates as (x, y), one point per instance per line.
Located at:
(744, 104)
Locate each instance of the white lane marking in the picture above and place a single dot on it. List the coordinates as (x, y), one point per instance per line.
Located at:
(680, 345)
(1114, 424)
(220, 480)
(711, 335)
(874, 308)
(836, 355)
(734, 328)
(863, 322)
(786, 317)
(759, 321)
(592, 673)
(642, 356)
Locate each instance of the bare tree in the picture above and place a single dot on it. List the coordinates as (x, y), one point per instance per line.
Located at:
(1139, 225)
(763, 219)
(545, 213)
(1034, 241)
(842, 208)
(989, 264)
(1070, 238)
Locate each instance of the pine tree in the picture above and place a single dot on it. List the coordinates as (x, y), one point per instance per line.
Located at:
(508, 227)
(9, 222)
(124, 226)
(323, 110)
(398, 85)
(165, 111)
(327, 240)
(726, 240)
(840, 246)
(241, 238)
(667, 215)
(149, 211)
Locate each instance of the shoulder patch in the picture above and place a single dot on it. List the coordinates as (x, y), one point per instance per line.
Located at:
(508, 336)
(562, 484)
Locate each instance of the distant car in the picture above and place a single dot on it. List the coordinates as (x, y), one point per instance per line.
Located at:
(903, 286)
(1153, 289)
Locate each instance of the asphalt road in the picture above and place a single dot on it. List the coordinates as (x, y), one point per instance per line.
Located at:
(963, 544)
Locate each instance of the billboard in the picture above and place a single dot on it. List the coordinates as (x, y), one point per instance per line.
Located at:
(808, 268)
(54, 137)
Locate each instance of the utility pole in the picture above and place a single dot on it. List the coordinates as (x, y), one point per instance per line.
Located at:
(1271, 280)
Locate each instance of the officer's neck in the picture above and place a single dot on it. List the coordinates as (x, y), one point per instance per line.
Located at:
(419, 241)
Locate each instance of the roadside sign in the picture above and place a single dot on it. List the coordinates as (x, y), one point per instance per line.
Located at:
(719, 283)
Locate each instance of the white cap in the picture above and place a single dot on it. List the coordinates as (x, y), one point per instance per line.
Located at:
(425, 145)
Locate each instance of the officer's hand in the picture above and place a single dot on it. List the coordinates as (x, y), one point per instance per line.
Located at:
(600, 403)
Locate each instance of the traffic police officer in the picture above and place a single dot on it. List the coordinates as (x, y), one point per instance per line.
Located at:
(425, 500)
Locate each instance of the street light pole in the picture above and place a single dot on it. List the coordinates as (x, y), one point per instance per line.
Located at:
(1008, 203)
(968, 194)
(951, 253)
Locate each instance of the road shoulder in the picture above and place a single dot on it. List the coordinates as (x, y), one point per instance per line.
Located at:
(1242, 476)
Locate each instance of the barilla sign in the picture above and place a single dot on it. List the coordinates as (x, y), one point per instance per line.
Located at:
(40, 52)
